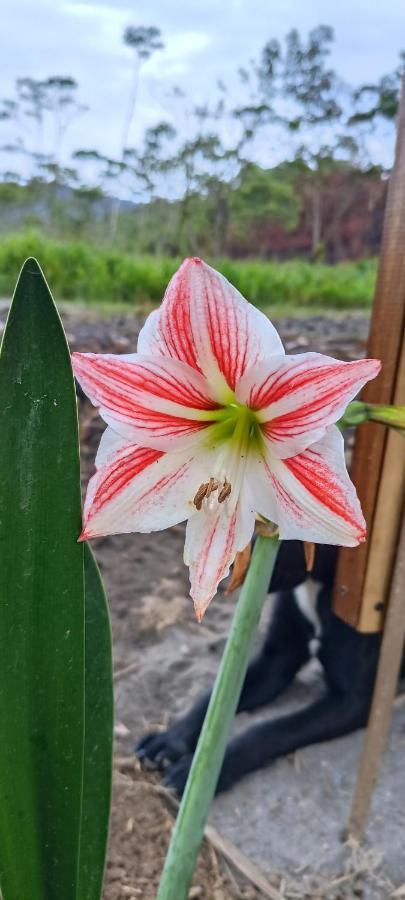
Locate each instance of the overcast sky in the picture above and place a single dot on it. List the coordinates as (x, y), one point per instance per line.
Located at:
(204, 41)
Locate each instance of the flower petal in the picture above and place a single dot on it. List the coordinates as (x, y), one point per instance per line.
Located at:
(213, 539)
(299, 396)
(159, 403)
(310, 496)
(138, 489)
(110, 443)
(205, 322)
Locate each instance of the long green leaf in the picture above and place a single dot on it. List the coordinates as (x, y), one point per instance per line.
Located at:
(98, 735)
(41, 603)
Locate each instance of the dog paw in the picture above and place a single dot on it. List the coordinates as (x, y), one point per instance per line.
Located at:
(176, 776)
(161, 749)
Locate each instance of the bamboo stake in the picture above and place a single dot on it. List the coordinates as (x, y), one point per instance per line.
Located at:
(385, 342)
(387, 521)
(385, 687)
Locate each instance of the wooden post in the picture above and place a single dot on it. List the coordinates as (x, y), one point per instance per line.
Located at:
(385, 342)
(381, 709)
(387, 522)
(366, 591)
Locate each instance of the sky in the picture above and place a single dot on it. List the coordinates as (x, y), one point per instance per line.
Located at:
(204, 42)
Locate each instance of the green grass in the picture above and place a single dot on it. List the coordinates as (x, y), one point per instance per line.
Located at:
(82, 271)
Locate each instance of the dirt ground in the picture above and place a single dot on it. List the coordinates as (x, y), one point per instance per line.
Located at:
(288, 819)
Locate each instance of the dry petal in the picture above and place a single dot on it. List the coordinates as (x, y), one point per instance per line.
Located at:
(240, 567)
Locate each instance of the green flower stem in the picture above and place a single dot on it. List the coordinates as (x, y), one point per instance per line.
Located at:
(200, 788)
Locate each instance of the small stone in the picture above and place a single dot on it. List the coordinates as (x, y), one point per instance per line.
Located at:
(115, 873)
(121, 730)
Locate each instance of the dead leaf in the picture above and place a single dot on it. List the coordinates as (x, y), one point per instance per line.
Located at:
(309, 550)
(240, 567)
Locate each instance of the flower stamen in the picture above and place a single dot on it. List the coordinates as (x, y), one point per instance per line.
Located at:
(212, 486)
(209, 487)
(225, 491)
(199, 497)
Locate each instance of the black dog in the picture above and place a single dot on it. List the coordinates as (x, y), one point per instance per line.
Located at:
(302, 624)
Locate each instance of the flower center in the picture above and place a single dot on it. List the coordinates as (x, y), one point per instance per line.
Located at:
(238, 425)
(230, 439)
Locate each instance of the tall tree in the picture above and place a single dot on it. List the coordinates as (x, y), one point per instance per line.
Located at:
(144, 41)
(309, 80)
(60, 93)
(32, 103)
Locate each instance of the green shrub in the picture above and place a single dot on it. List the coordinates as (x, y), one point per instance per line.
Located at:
(79, 270)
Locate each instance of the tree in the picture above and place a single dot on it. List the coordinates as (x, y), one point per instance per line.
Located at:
(61, 101)
(260, 198)
(308, 80)
(379, 100)
(32, 104)
(144, 41)
(152, 161)
(50, 105)
(195, 185)
(8, 109)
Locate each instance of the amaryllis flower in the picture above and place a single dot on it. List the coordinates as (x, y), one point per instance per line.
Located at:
(212, 422)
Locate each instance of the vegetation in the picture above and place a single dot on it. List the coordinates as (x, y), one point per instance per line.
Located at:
(79, 270)
(200, 181)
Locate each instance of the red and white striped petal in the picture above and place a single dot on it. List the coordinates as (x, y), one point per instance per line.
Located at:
(138, 489)
(205, 322)
(297, 397)
(310, 496)
(110, 443)
(213, 538)
(159, 403)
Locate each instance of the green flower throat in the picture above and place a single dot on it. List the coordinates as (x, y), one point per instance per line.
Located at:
(238, 425)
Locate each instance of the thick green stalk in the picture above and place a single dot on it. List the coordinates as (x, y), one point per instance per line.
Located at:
(200, 788)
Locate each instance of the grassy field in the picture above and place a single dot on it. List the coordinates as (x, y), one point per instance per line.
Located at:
(80, 271)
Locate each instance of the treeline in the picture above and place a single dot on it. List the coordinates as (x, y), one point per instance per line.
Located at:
(194, 183)
(275, 213)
